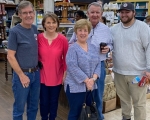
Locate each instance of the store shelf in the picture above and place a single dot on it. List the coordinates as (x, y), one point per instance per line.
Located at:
(140, 16)
(66, 25)
(142, 9)
(39, 8)
(10, 6)
(8, 20)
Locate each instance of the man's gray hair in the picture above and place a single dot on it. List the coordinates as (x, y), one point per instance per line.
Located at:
(95, 4)
(24, 4)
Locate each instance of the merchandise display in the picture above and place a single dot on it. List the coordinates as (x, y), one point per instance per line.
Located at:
(142, 8)
(112, 15)
(2, 23)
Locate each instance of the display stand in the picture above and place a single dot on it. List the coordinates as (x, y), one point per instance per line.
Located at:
(62, 9)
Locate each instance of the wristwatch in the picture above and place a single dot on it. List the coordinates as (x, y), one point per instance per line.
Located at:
(94, 79)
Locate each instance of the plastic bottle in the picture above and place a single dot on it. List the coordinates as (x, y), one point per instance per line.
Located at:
(38, 18)
(140, 80)
(136, 79)
(41, 17)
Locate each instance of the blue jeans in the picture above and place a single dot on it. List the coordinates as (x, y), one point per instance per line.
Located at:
(49, 101)
(76, 101)
(29, 95)
(99, 92)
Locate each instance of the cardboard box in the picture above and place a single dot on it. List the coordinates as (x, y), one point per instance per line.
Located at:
(109, 91)
(118, 104)
(109, 105)
(148, 95)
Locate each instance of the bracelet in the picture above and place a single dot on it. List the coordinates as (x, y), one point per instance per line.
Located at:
(94, 79)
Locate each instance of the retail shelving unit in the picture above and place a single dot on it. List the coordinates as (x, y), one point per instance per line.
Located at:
(2, 22)
(142, 7)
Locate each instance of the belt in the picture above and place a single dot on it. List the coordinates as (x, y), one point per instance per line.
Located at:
(30, 70)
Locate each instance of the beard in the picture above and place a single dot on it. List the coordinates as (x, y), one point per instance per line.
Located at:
(128, 20)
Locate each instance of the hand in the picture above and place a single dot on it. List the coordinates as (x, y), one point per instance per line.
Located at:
(87, 83)
(147, 81)
(63, 80)
(64, 77)
(25, 81)
(90, 84)
(147, 74)
(105, 50)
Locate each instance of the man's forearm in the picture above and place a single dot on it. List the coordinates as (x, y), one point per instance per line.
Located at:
(14, 64)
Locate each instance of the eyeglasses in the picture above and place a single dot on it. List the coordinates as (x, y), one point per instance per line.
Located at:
(26, 13)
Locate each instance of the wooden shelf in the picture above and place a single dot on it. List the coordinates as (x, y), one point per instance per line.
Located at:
(65, 4)
(39, 8)
(140, 16)
(142, 9)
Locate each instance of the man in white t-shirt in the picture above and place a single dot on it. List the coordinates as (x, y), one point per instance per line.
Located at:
(131, 40)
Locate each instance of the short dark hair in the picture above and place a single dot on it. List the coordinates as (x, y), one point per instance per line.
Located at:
(104, 20)
(53, 16)
(81, 14)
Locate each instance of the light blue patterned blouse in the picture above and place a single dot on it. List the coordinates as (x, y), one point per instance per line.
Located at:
(101, 33)
(81, 65)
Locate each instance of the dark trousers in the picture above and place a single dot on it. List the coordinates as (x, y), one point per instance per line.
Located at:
(49, 101)
(75, 103)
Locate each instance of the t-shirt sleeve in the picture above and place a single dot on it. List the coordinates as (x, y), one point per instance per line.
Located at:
(12, 40)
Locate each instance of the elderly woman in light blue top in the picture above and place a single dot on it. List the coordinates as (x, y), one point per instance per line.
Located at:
(83, 69)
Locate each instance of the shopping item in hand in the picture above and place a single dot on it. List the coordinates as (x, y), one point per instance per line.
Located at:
(140, 80)
(102, 45)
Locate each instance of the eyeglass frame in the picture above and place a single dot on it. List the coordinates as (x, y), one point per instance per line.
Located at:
(26, 13)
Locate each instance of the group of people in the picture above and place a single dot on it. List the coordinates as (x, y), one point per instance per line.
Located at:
(43, 62)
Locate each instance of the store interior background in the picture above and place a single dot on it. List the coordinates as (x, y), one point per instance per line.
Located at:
(65, 11)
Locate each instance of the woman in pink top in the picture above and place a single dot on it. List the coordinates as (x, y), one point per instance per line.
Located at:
(52, 48)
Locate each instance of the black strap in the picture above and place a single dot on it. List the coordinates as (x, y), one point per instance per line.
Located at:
(86, 96)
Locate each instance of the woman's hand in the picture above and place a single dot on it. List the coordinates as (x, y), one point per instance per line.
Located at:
(89, 83)
(64, 77)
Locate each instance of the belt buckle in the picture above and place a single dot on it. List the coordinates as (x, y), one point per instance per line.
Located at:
(30, 70)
